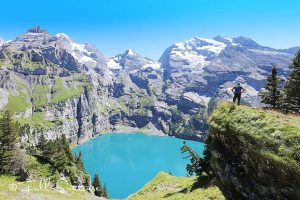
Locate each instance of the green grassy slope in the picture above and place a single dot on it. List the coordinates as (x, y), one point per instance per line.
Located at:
(166, 186)
(10, 189)
(275, 135)
(38, 187)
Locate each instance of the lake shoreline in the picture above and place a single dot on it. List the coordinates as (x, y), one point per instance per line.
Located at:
(139, 154)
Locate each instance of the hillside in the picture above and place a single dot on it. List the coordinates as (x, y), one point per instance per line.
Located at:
(54, 84)
(39, 186)
(22, 192)
(255, 153)
(166, 186)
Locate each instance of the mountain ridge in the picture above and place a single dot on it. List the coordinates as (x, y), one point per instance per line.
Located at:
(62, 87)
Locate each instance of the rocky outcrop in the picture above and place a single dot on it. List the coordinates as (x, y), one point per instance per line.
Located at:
(62, 87)
(253, 155)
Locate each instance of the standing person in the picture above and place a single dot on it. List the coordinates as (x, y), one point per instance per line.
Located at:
(237, 90)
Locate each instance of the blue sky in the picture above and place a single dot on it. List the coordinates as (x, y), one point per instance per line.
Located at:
(150, 26)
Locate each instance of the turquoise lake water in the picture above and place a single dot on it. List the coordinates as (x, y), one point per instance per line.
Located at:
(125, 162)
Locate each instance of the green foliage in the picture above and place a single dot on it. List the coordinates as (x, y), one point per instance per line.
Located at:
(97, 186)
(42, 142)
(9, 137)
(79, 162)
(37, 167)
(99, 190)
(271, 95)
(292, 88)
(268, 132)
(198, 165)
(58, 153)
(105, 192)
(166, 186)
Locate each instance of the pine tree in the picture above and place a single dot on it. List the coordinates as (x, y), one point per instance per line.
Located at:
(8, 142)
(97, 186)
(60, 158)
(292, 88)
(105, 193)
(50, 150)
(271, 94)
(42, 143)
(79, 162)
(66, 148)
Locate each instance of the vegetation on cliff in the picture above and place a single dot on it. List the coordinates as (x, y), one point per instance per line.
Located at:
(50, 160)
(166, 186)
(292, 88)
(254, 153)
(275, 135)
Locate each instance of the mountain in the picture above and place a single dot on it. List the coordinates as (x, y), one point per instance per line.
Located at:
(55, 85)
(205, 66)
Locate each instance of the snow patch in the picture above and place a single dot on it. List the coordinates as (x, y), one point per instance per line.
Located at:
(85, 59)
(112, 64)
(264, 52)
(62, 35)
(152, 65)
(197, 52)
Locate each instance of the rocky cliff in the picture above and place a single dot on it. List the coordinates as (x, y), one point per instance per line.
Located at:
(55, 85)
(255, 153)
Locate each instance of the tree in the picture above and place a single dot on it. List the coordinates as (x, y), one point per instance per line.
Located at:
(79, 162)
(9, 137)
(198, 165)
(105, 193)
(97, 186)
(66, 148)
(42, 142)
(271, 94)
(292, 87)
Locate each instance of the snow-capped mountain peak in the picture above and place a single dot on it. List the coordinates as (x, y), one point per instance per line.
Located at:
(130, 52)
(194, 53)
(63, 36)
(79, 51)
(222, 39)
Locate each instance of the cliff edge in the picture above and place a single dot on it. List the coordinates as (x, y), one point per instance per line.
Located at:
(255, 153)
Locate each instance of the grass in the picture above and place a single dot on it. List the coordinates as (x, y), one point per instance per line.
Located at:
(17, 103)
(271, 134)
(33, 65)
(62, 90)
(166, 186)
(12, 188)
(39, 95)
(37, 120)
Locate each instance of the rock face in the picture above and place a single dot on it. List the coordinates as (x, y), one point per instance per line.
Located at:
(58, 86)
(253, 153)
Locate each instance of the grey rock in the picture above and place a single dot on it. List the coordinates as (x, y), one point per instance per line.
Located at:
(129, 91)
